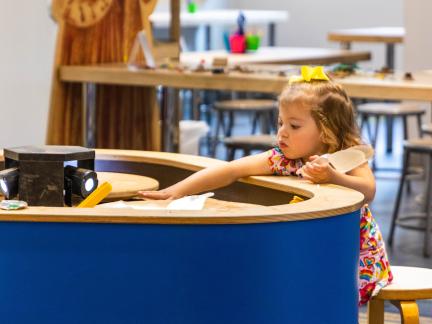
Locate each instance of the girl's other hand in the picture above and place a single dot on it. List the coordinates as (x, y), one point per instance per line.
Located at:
(158, 195)
(318, 170)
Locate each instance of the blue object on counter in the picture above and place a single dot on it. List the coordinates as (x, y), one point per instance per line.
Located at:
(241, 22)
(226, 41)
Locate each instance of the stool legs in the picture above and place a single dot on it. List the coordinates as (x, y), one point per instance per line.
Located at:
(228, 131)
(389, 121)
(376, 311)
(428, 226)
(230, 153)
(419, 125)
(405, 166)
(427, 210)
(266, 121)
(405, 127)
(409, 311)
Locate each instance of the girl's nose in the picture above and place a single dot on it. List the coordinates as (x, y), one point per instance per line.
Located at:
(281, 133)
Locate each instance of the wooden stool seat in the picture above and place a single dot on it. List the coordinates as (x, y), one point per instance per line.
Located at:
(427, 129)
(409, 285)
(248, 143)
(421, 145)
(387, 108)
(262, 109)
(246, 104)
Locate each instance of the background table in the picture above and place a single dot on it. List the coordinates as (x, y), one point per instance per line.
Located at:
(394, 88)
(278, 55)
(210, 18)
(388, 35)
(170, 111)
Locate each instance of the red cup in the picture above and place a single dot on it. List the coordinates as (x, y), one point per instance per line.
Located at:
(237, 43)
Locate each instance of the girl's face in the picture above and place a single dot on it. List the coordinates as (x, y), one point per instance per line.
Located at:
(298, 135)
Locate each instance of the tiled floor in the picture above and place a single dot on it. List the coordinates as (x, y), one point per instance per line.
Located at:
(408, 244)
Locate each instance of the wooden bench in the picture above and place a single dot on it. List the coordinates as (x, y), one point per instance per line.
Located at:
(409, 285)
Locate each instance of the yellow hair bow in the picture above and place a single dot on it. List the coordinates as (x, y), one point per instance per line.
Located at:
(309, 73)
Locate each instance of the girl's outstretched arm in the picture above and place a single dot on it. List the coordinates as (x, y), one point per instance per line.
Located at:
(214, 177)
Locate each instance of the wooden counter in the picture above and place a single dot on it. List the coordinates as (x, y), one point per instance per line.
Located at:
(254, 265)
(317, 206)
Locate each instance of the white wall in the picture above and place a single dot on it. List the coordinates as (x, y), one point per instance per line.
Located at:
(27, 36)
(310, 20)
(418, 24)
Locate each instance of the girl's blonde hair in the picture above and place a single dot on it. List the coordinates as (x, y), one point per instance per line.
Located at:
(331, 109)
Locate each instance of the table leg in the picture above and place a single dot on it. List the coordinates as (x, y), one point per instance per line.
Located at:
(272, 34)
(88, 118)
(207, 36)
(345, 45)
(390, 49)
(170, 118)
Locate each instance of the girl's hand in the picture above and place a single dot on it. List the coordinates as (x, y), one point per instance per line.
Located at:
(318, 170)
(158, 195)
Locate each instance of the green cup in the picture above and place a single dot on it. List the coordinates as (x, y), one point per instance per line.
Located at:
(191, 7)
(252, 42)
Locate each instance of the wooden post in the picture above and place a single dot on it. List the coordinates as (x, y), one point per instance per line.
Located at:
(175, 21)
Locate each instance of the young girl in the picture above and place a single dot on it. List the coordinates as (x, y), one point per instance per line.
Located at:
(315, 117)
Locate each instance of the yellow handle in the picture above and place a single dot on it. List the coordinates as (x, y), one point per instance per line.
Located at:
(96, 196)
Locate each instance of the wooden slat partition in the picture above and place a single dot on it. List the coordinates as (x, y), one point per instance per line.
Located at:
(127, 116)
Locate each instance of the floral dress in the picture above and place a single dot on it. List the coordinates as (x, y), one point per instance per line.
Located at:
(374, 268)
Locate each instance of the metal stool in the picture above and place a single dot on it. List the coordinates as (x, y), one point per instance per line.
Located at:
(389, 110)
(259, 107)
(248, 143)
(421, 146)
(409, 285)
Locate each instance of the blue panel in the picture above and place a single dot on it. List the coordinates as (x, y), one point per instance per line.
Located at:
(292, 272)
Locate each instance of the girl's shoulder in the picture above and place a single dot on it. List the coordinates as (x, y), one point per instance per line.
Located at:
(281, 165)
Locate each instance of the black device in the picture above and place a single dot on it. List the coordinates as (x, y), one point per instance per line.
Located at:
(9, 182)
(38, 176)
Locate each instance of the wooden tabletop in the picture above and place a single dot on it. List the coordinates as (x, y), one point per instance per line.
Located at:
(278, 55)
(324, 200)
(126, 186)
(374, 34)
(220, 17)
(392, 87)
